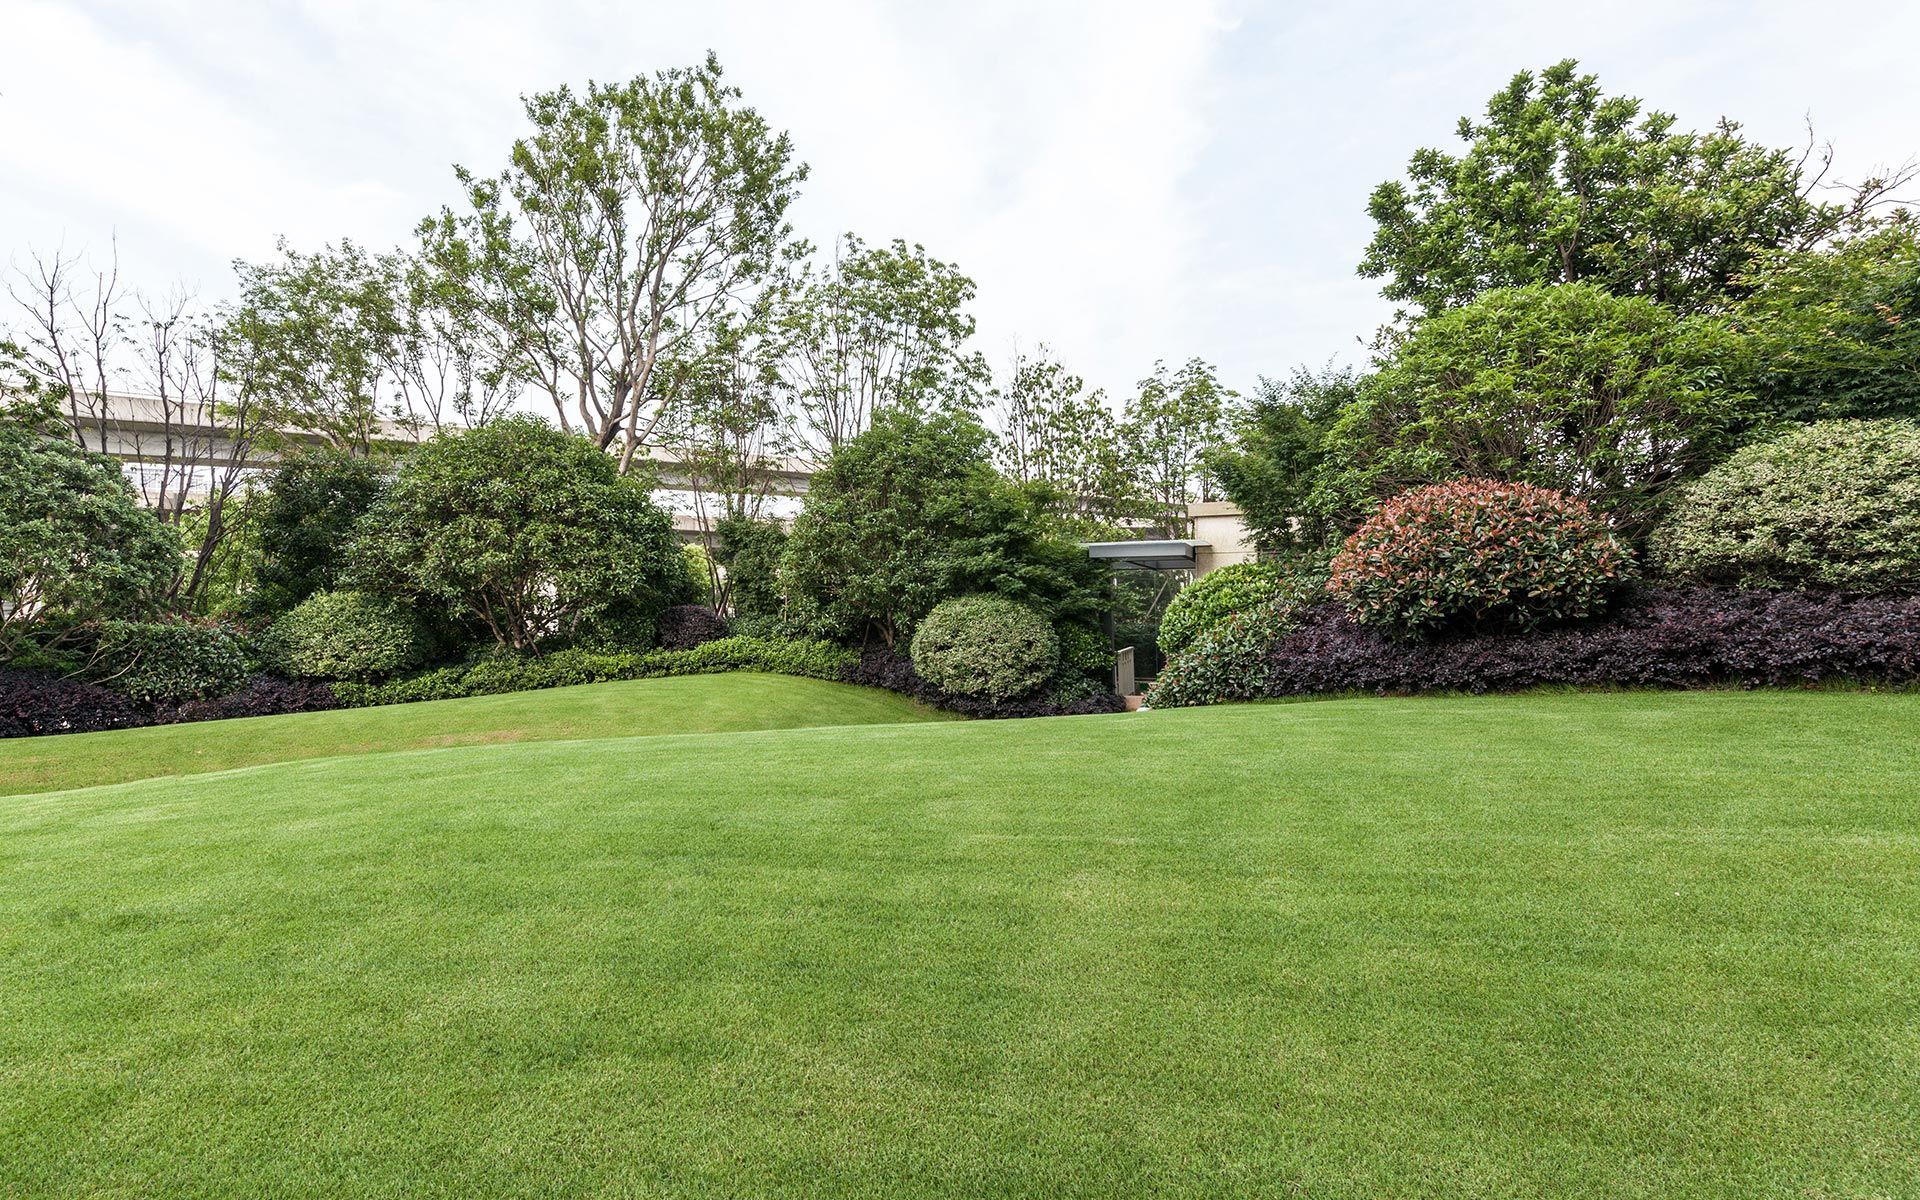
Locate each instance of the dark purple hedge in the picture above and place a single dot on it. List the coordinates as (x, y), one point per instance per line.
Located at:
(881, 669)
(685, 626)
(1657, 637)
(34, 702)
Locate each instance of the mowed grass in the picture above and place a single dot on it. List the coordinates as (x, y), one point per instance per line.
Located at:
(686, 704)
(1565, 945)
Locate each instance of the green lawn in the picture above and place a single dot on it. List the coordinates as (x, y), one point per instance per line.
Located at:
(1563, 945)
(687, 704)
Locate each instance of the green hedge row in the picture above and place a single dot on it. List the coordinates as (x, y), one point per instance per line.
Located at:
(565, 668)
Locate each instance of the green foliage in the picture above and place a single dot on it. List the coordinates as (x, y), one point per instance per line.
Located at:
(1271, 465)
(1560, 184)
(75, 545)
(1833, 505)
(750, 553)
(1213, 598)
(1613, 400)
(1084, 649)
(700, 575)
(302, 523)
(344, 635)
(877, 329)
(1478, 553)
(525, 531)
(1230, 661)
(1064, 441)
(619, 217)
(909, 514)
(576, 665)
(1166, 431)
(985, 646)
(1835, 331)
(167, 662)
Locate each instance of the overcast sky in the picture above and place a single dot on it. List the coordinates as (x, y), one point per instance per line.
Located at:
(1125, 181)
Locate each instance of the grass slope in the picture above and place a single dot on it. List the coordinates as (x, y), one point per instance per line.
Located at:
(1566, 945)
(685, 704)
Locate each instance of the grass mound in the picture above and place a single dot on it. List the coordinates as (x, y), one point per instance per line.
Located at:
(685, 704)
(1563, 945)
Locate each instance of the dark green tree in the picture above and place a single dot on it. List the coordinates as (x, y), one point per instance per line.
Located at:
(300, 523)
(1612, 399)
(524, 531)
(1560, 183)
(911, 513)
(1834, 332)
(75, 545)
(749, 551)
(1273, 463)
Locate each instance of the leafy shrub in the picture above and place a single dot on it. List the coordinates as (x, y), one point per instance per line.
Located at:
(302, 522)
(1213, 598)
(33, 703)
(1478, 553)
(344, 635)
(1084, 649)
(1061, 697)
(1229, 661)
(685, 626)
(1832, 505)
(699, 564)
(167, 662)
(1656, 637)
(985, 646)
(499, 673)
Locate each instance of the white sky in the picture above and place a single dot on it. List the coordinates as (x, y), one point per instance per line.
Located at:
(1125, 181)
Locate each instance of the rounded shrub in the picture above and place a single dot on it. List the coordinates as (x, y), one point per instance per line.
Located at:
(985, 646)
(167, 662)
(344, 635)
(1213, 598)
(1230, 661)
(1478, 553)
(1834, 505)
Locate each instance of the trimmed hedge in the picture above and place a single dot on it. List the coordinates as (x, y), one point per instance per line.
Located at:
(1212, 598)
(1656, 637)
(566, 668)
(167, 662)
(344, 635)
(1833, 505)
(684, 626)
(1478, 553)
(985, 648)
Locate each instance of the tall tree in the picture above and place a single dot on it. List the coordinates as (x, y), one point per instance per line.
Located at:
(1056, 435)
(1168, 427)
(877, 328)
(1562, 184)
(623, 223)
(1272, 464)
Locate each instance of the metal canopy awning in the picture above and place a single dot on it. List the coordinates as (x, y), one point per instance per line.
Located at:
(1174, 554)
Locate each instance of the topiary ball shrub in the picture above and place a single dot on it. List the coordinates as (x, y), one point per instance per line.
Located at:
(344, 635)
(1231, 661)
(1213, 598)
(1834, 506)
(985, 646)
(1478, 554)
(167, 662)
(685, 626)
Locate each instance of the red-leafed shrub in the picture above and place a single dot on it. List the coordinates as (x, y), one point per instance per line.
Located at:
(684, 626)
(1478, 554)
